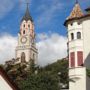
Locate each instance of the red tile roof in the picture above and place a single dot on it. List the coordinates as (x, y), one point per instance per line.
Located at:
(76, 12)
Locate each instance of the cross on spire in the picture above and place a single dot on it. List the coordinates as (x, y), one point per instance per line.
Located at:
(27, 15)
(76, 1)
(27, 2)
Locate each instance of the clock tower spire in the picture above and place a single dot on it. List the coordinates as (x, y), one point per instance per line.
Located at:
(27, 15)
(26, 49)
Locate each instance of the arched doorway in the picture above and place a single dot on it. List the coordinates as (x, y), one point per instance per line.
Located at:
(23, 57)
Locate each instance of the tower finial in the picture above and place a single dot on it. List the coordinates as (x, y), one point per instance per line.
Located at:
(27, 15)
(76, 1)
(27, 2)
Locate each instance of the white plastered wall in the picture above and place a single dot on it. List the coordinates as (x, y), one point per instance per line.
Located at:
(78, 74)
(27, 54)
(4, 85)
(86, 33)
(76, 44)
(79, 78)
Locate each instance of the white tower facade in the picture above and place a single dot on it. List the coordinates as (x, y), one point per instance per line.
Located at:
(76, 27)
(26, 49)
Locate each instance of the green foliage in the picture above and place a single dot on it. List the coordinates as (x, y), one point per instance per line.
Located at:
(88, 72)
(1, 65)
(47, 77)
(41, 81)
(16, 72)
(59, 66)
(32, 66)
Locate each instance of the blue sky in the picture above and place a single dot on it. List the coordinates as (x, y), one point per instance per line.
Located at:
(48, 16)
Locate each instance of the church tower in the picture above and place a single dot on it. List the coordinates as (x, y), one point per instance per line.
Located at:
(77, 70)
(26, 49)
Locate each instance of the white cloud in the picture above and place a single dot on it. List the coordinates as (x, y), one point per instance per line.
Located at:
(51, 47)
(5, 7)
(7, 47)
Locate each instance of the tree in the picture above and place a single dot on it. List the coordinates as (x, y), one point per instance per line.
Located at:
(31, 66)
(88, 72)
(16, 72)
(46, 79)
(41, 81)
(62, 67)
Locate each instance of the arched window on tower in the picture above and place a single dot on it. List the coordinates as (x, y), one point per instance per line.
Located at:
(72, 36)
(24, 25)
(29, 27)
(23, 57)
(78, 35)
(24, 32)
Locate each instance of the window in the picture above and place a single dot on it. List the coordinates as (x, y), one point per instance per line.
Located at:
(78, 35)
(72, 36)
(24, 25)
(72, 59)
(79, 23)
(80, 58)
(29, 26)
(24, 32)
(23, 57)
(71, 24)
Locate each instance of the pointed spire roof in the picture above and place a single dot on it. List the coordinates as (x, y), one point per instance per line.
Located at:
(27, 15)
(76, 12)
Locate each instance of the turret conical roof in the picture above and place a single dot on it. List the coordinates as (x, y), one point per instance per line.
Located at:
(76, 12)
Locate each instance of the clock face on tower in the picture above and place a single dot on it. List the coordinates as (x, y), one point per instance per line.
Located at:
(24, 39)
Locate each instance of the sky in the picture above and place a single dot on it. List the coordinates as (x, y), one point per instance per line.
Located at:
(49, 17)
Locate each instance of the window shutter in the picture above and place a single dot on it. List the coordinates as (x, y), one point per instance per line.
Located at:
(80, 58)
(72, 59)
